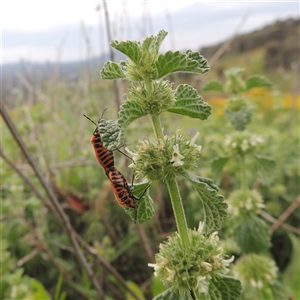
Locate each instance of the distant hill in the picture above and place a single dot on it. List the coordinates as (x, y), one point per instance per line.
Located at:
(279, 40)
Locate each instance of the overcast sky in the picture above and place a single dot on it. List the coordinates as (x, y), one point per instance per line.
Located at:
(41, 31)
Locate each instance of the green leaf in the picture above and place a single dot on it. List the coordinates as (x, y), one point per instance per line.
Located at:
(154, 42)
(145, 205)
(39, 291)
(213, 86)
(190, 103)
(112, 70)
(255, 81)
(279, 291)
(215, 208)
(224, 288)
(239, 119)
(291, 274)
(158, 39)
(202, 62)
(133, 286)
(171, 62)
(111, 134)
(174, 294)
(130, 48)
(156, 287)
(217, 166)
(129, 112)
(251, 233)
(266, 167)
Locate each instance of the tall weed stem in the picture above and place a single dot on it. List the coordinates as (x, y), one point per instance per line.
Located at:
(173, 192)
(244, 184)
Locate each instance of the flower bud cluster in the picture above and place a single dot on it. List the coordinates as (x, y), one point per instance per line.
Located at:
(158, 159)
(146, 68)
(234, 83)
(244, 202)
(153, 101)
(256, 271)
(191, 267)
(243, 142)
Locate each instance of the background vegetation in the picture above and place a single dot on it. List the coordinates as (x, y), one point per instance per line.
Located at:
(39, 262)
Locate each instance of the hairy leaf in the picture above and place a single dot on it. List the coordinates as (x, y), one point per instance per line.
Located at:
(224, 288)
(215, 208)
(111, 134)
(129, 48)
(251, 233)
(217, 165)
(174, 294)
(213, 86)
(255, 81)
(171, 62)
(202, 62)
(239, 119)
(145, 205)
(112, 70)
(129, 112)
(266, 167)
(190, 103)
(158, 39)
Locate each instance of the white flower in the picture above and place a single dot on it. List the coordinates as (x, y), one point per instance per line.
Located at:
(193, 140)
(228, 261)
(228, 140)
(233, 145)
(207, 266)
(135, 156)
(171, 274)
(202, 284)
(201, 226)
(245, 145)
(177, 157)
(214, 236)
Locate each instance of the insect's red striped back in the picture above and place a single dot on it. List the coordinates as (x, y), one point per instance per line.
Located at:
(104, 157)
(121, 189)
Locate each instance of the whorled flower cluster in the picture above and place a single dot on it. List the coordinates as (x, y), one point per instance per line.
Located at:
(243, 142)
(153, 102)
(244, 202)
(191, 267)
(157, 159)
(256, 271)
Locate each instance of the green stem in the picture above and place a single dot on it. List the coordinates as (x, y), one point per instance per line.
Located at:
(244, 184)
(178, 211)
(174, 192)
(157, 127)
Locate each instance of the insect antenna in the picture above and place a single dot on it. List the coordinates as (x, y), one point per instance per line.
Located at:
(90, 119)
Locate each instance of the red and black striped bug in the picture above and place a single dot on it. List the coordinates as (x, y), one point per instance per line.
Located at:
(104, 156)
(123, 191)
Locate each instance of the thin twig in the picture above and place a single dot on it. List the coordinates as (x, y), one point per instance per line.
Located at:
(283, 225)
(107, 266)
(63, 217)
(224, 47)
(40, 245)
(145, 243)
(28, 257)
(111, 54)
(286, 214)
(45, 201)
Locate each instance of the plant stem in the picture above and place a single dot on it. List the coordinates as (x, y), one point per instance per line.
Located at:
(174, 192)
(178, 211)
(244, 185)
(157, 127)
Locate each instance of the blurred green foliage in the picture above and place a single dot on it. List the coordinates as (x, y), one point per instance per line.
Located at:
(58, 137)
